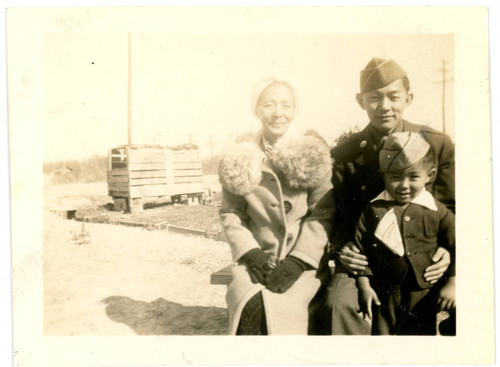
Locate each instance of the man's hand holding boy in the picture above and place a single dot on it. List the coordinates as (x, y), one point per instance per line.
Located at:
(442, 261)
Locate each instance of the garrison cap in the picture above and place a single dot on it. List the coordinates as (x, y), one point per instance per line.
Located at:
(379, 73)
(402, 150)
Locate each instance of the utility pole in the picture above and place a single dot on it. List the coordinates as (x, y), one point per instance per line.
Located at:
(211, 148)
(443, 82)
(129, 94)
(444, 89)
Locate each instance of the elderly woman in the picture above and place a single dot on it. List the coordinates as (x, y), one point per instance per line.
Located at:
(277, 210)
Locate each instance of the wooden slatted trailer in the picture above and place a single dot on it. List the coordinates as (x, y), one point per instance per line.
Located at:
(142, 173)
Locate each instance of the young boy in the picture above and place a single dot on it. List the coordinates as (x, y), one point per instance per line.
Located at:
(399, 232)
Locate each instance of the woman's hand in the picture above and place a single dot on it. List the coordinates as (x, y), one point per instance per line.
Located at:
(351, 259)
(367, 296)
(441, 260)
(255, 261)
(446, 299)
(256, 275)
(285, 275)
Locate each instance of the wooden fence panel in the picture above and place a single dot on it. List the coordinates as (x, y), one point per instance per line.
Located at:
(148, 181)
(188, 172)
(118, 186)
(118, 172)
(146, 166)
(148, 174)
(185, 157)
(117, 179)
(118, 193)
(187, 179)
(146, 155)
(154, 172)
(148, 190)
(184, 165)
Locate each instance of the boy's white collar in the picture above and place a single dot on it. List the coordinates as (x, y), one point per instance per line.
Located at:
(425, 199)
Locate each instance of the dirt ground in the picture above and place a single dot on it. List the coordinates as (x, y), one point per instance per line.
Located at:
(103, 279)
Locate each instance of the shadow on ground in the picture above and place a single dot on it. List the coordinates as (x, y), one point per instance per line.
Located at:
(162, 317)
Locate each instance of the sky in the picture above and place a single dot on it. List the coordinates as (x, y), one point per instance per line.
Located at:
(198, 87)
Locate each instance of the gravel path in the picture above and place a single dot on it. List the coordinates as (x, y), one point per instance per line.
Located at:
(112, 280)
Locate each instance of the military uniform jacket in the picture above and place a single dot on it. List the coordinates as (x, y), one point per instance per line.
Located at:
(423, 229)
(356, 179)
(283, 204)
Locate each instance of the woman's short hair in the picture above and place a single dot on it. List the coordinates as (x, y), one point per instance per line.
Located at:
(261, 86)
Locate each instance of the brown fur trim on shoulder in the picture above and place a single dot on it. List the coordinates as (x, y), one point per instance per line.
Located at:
(240, 168)
(302, 163)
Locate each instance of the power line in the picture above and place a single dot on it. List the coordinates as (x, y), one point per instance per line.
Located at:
(443, 81)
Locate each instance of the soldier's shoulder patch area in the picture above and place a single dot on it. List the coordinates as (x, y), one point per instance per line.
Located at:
(421, 128)
(350, 148)
(430, 130)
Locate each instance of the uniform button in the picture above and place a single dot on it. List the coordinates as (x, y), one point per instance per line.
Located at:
(407, 218)
(363, 188)
(374, 244)
(362, 144)
(409, 253)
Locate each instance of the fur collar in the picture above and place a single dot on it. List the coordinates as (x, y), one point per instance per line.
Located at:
(300, 163)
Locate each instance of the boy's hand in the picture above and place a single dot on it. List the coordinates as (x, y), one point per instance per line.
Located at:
(351, 259)
(442, 261)
(367, 295)
(446, 299)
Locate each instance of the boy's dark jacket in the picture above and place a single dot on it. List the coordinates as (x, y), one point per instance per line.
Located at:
(422, 231)
(356, 179)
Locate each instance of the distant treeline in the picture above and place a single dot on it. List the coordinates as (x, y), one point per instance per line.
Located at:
(94, 169)
(88, 170)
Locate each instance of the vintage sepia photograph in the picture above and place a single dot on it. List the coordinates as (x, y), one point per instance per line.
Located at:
(191, 179)
(133, 154)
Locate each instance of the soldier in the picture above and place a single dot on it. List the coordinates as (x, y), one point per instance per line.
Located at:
(384, 95)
